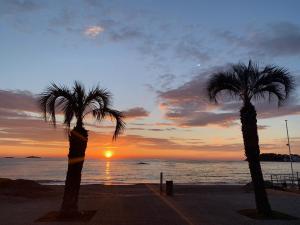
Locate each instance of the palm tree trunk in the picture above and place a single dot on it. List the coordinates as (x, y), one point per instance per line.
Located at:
(78, 141)
(252, 151)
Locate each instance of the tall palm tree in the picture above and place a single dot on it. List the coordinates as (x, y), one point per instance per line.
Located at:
(75, 104)
(249, 83)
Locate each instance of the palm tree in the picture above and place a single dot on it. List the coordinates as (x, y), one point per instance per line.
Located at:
(249, 83)
(76, 104)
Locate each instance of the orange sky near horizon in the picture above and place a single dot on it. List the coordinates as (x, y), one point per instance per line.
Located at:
(136, 146)
(122, 153)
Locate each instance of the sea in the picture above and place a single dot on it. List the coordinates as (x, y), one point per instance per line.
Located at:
(52, 171)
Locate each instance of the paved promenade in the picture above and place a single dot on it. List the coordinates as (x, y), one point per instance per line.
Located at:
(143, 205)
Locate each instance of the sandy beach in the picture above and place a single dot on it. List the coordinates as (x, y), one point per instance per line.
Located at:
(142, 204)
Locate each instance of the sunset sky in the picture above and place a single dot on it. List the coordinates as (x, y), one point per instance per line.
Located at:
(155, 57)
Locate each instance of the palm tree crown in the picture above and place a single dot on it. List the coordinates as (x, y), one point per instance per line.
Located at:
(75, 103)
(249, 82)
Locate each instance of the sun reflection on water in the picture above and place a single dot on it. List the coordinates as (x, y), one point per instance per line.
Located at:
(107, 173)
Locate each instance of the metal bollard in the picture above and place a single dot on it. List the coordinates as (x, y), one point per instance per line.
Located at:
(169, 187)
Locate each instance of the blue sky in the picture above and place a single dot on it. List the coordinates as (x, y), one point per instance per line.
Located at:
(145, 51)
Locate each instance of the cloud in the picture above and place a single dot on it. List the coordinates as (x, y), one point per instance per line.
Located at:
(208, 118)
(142, 29)
(189, 49)
(65, 20)
(93, 31)
(94, 3)
(276, 39)
(266, 110)
(30, 129)
(136, 112)
(18, 6)
(151, 129)
(279, 39)
(188, 105)
(21, 127)
(25, 133)
(18, 100)
(166, 80)
(18, 120)
(153, 143)
(262, 127)
(125, 33)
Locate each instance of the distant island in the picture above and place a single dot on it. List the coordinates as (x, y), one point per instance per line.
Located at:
(8, 157)
(33, 157)
(272, 157)
(142, 163)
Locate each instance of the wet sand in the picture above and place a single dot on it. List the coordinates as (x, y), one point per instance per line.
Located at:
(143, 205)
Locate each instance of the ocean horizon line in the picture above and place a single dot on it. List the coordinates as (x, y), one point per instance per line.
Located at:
(125, 159)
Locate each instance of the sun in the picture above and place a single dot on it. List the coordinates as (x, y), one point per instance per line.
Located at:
(108, 154)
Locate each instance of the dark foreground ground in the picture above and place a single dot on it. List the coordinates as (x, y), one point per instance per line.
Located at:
(143, 205)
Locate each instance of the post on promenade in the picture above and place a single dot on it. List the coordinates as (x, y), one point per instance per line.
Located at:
(161, 182)
(298, 179)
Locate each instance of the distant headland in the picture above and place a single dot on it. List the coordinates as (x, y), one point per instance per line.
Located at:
(273, 157)
(28, 157)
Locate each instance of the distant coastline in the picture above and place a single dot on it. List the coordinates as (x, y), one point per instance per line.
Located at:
(273, 157)
(28, 157)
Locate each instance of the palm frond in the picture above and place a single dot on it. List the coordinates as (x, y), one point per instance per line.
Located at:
(98, 98)
(79, 96)
(250, 82)
(75, 102)
(222, 81)
(239, 71)
(68, 111)
(272, 90)
(48, 98)
(275, 81)
(118, 117)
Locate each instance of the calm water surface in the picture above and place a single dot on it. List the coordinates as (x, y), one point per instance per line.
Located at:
(53, 171)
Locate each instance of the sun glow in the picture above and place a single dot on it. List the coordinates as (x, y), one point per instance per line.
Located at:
(108, 154)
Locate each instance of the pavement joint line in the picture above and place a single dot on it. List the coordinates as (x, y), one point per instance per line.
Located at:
(171, 205)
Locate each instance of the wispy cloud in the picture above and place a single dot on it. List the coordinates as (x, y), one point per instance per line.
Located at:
(275, 39)
(18, 100)
(93, 31)
(136, 112)
(16, 6)
(189, 49)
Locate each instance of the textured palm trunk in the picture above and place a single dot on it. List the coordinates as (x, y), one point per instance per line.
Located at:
(252, 151)
(78, 141)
